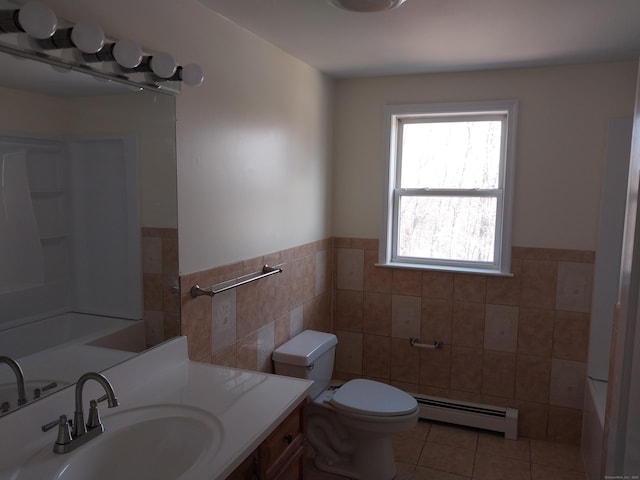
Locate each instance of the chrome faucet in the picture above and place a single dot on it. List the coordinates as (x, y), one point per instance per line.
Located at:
(22, 397)
(80, 433)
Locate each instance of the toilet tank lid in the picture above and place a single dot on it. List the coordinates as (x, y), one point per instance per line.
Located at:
(304, 348)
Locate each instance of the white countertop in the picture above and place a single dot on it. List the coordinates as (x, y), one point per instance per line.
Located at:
(247, 405)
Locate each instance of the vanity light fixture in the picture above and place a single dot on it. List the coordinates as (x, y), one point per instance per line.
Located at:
(34, 18)
(119, 60)
(366, 5)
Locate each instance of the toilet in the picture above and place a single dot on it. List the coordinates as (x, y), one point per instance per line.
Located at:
(349, 426)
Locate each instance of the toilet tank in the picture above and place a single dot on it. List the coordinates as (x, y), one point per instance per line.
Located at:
(308, 355)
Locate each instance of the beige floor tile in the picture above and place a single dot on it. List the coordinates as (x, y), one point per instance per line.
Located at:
(404, 471)
(454, 436)
(423, 473)
(407, 449)
(493, 467)
(447, 458)
(496, 444)
(542, 472)
(557, 455)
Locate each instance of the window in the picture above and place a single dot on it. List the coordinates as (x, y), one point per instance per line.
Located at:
(449, 186)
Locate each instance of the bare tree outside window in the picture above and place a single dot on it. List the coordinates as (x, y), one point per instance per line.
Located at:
(443, 156)
(450, 186)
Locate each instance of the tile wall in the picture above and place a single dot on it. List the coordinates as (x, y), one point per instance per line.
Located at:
(160, 276)
(241, 327)
(519, 341)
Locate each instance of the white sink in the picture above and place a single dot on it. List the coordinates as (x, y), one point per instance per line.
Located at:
(153, 442)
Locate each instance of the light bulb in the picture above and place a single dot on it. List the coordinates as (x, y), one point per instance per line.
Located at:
(37, 20)
(192, 75)
(127, 53)
(163, 65)
(87, 37)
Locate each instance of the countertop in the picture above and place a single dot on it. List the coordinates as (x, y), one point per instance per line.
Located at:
(247, 406)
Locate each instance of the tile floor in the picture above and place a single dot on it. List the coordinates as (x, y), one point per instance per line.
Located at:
(433, 451)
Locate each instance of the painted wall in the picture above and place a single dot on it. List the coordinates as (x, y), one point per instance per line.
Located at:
(563, 114)
(252, 142)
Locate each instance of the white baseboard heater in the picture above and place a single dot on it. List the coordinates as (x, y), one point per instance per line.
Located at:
(487, 417)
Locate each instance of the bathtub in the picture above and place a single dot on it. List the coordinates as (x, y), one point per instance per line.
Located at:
(62, 347)
(59, 330)
(593, 427)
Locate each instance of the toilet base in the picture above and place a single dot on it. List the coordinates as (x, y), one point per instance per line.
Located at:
(351, 452)
(362, 465)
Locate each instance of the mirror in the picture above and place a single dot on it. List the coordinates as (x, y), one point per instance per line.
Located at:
(88, 230)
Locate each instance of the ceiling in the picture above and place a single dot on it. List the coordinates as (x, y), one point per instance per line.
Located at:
(425, 36)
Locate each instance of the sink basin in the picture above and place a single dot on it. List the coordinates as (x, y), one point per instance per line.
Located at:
(155, 442)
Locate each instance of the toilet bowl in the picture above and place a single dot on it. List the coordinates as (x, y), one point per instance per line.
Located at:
(350, 426)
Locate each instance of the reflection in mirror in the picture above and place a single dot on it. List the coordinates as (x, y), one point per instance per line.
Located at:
(88, 225)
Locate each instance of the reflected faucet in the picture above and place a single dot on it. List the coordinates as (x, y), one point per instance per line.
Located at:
(22, 397)
(69, 440)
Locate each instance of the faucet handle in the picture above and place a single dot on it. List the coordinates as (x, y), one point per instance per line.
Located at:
(94, 415)
(64, 430)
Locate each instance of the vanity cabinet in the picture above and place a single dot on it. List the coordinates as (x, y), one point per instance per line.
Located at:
(281, 455)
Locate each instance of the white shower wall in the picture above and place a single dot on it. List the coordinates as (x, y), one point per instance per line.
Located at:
(81, 197)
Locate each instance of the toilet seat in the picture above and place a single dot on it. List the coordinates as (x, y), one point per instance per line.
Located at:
(366, 397)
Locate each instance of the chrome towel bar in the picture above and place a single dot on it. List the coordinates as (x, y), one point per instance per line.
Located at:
(197, 291)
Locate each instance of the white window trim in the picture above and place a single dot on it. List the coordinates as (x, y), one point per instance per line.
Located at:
(391, 114)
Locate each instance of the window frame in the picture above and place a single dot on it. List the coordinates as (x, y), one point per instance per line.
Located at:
(393, 117)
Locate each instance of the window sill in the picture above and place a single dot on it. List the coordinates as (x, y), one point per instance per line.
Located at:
(445, 268)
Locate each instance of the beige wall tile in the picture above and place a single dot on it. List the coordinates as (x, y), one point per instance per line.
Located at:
(349, 352)
(296, 318)
(377, 313)
(281, 330)
(435, 368)
(575, 285)
(571, 335)
(265, 345)
(248, 352)
(567, 383)
(223, 320)
(532, 419)
(196, 325)
(535, 331)
(377, 356)
(349, 310)
(437, 320)
(468, 324)
(405, 361)
(376, 279)
(538, 286)
(406, 282)
(501, 328)
(349, 269)
(505, 290)
(247, 317)
(469, 288)
(498, 373)
(406, 314)
(533, 375)
(322, 270)
(151, 254)
(437, 285)
(466, 369)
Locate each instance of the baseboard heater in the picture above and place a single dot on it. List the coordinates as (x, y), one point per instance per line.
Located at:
(487, 417)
